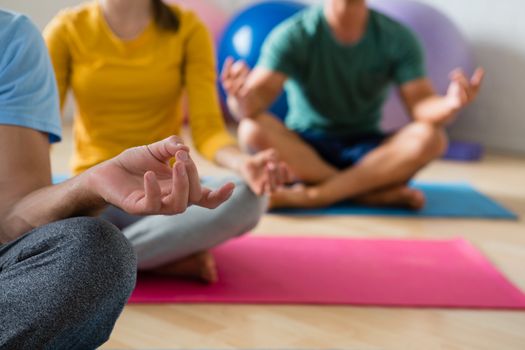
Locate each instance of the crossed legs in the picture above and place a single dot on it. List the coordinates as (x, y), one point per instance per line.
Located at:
(378, 179)
(178, 245)
(63, 285)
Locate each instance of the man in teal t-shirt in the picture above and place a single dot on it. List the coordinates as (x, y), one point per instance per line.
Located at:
(336, 63)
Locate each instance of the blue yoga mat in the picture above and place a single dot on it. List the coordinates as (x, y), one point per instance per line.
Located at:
(444, 200)
(58, 178)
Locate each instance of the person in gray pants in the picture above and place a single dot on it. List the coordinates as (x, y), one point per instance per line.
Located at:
(65, 276)
(178, 245)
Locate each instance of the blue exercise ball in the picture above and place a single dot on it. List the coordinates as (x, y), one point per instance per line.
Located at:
(245, 34)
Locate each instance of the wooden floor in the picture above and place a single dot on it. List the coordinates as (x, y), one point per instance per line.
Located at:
(354, 328)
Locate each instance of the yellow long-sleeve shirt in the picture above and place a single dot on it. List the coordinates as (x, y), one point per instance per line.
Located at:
(129, 93)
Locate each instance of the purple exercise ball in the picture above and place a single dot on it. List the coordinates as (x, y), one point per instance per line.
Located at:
(444, 46)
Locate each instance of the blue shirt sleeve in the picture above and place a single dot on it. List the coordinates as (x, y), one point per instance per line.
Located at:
(28, 92)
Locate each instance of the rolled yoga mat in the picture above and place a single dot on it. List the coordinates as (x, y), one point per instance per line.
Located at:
(443, 200)
(375, 272)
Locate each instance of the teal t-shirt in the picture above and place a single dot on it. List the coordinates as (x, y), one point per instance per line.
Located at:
(338, 89)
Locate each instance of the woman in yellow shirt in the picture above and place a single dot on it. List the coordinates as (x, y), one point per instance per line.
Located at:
(128, 63)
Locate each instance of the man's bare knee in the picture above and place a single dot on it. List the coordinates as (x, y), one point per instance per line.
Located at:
(426, 142)
(251, 136)
(262, 132)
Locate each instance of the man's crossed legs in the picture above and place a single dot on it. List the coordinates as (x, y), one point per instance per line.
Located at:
(379, 177)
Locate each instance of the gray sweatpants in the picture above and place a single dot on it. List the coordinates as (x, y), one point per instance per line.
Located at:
(158, 240)
(63, 285)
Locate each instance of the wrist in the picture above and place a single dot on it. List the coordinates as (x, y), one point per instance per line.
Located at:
(84, 192)
(233, 106)
(453, 104)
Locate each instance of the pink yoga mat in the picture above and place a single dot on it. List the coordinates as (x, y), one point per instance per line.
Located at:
(413, 273)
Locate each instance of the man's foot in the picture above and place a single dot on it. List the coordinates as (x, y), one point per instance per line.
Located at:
(295, 196)
(199, 266)
(400, 196)
(301, 196)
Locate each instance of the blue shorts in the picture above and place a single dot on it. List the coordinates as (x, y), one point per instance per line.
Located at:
(343, 152)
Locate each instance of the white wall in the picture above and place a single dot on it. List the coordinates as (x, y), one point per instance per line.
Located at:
(497, 32)
(40, 11)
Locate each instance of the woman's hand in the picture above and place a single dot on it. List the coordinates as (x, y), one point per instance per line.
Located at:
(264, 173)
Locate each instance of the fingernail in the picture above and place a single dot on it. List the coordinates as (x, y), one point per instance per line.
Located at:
(183, 156)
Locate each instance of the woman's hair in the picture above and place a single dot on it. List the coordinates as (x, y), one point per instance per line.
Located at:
(164, 17)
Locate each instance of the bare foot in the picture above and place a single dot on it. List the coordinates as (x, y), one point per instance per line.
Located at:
(295, 196)
(399, 196)
(199, 266)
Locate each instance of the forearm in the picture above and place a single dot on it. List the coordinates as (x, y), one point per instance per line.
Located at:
(434, 109)
(49, 204)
